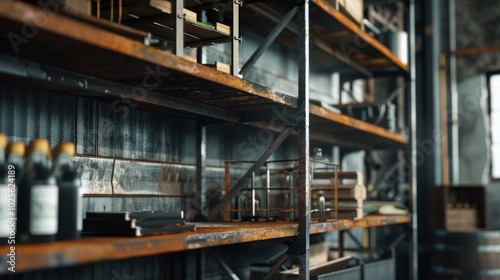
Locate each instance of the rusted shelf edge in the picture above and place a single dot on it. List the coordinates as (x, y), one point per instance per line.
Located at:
(98, 249)
(355, 125)
(70, 29)
(354, 28)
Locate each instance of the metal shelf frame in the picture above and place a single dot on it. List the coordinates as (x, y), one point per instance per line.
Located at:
(299, 119)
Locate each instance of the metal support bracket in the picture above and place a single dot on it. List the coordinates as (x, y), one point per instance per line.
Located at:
(269, 40)
(220, 262)
(242, 181)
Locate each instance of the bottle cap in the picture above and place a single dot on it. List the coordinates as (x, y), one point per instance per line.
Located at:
(16, 147)
(3, 140)
(65, 148)
(40, 145)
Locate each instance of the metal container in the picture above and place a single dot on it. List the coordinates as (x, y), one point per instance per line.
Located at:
(397, 42)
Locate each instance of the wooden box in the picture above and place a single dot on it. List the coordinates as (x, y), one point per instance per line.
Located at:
(458, 208)
(352, 8)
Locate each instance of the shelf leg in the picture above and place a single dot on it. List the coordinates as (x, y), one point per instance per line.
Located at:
(303, 129)
(341, 243)
(236, 39)
(178, 9)
(201, 158)
(201, 260)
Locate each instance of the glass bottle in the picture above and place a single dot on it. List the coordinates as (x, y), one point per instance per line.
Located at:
(38, 196)
(70, 198)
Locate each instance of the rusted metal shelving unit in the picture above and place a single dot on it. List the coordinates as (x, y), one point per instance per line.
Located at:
(71, 56)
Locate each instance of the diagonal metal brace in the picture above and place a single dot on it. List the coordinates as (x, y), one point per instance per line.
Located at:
(220, 262)
(269, 40)
(242, 181)
(276, 266)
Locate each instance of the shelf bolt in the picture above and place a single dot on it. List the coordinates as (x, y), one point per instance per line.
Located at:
(183, 16)
(237, 38)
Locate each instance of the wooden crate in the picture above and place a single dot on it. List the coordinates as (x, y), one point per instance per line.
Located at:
(354, 9)
(458, 208)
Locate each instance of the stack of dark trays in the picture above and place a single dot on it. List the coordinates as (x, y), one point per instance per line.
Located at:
(130, 223)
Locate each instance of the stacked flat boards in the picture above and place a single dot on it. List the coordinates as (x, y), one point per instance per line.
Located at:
(138, 223)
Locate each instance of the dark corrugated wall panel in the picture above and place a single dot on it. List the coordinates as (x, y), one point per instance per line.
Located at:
(27, 113)
(125, 132)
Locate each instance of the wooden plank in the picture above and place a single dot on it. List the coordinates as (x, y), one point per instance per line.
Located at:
(356, 29)
(109, 56)
(342, 126)
(97, 249)
(95, 173)
(135, 177)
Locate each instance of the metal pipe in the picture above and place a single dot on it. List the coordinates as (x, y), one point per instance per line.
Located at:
(269, 40)
(201, 158)
(444, 121)
(178, 11)
(413, 142)
(303, 127)
(454, 94)
(235, 38)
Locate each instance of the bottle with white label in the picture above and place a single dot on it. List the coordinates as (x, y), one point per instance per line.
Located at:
(38, 204)
(70, 197)
(11, 176)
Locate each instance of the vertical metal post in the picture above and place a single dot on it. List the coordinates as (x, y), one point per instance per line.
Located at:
(178, 10)
(268, 190)
(236, 39)
(201, 158)
(303, 128)
(341, 243)
(253, 195)
(413, 143)
(453, 95)
(228, 216)
(201, 259)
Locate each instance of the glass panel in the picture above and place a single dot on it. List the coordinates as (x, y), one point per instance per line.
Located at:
(495, 162)
(495, 127)
(495, 92)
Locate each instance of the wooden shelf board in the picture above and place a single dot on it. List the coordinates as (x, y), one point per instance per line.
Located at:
(72, 45)
(96, 249)
(338, 43)
(362, 41)
(345, 129)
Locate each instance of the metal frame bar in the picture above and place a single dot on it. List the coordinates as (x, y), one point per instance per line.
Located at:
(304, 184)
(201, 158)
(236, 39)
(178, 9)
(268, 41)
(453, 93)
(241, 182)
(220, 262)
(324, 46)
(68, 82)
(413, 142)
(276, 266)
